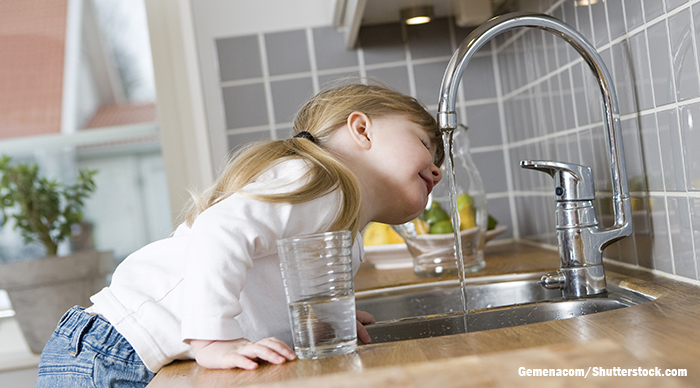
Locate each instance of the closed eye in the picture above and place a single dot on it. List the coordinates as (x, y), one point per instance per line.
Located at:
(425, 142)
(427, 145)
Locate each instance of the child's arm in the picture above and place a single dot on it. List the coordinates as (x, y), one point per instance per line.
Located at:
(240, 353)
(363, 318)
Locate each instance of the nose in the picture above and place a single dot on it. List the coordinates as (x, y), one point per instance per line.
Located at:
(436, 172)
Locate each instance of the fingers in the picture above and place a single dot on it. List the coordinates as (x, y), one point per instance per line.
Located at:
(279, 346)
(364, 317)
(362, 333)
(242, 353)
(235, 360)
(271, 350)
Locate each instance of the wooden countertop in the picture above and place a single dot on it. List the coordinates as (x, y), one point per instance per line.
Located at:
(664, 333)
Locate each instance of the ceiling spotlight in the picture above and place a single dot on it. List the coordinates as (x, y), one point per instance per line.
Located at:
(417, 15)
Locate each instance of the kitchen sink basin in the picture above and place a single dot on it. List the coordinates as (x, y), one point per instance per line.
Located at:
(493, 302)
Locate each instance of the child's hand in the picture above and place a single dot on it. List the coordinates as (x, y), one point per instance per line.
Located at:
(240, 353)
(363, 318)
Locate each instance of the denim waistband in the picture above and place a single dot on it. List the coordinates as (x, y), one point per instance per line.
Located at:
(92, 330)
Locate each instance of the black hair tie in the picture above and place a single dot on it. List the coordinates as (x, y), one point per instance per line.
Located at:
(306, 135)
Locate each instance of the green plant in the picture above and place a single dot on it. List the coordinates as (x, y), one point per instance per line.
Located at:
(44, 210)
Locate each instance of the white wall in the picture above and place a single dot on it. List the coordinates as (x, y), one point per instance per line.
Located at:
(223, 18)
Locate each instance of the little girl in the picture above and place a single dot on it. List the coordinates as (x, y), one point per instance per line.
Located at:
(213, 291)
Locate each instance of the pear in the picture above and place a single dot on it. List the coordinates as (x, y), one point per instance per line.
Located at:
(466, 218)
(463, 200)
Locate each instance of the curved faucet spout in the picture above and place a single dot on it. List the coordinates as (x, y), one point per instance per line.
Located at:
(447, 117)
(581, 239)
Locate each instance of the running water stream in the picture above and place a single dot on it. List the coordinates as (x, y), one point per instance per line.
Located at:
(447, 136)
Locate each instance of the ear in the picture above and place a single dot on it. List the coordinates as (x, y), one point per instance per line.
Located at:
(359, 125)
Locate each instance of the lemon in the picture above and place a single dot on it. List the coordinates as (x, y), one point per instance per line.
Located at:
(377, 233)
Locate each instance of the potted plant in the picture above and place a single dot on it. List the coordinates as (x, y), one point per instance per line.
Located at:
(46, 211)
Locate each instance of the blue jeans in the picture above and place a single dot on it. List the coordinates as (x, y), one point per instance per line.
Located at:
(87, 351)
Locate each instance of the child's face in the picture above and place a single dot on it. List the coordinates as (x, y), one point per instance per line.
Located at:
(404, 157)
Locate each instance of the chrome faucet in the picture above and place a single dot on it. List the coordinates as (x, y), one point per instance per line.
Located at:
(581, 239)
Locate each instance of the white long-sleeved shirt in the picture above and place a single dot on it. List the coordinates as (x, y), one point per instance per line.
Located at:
(219, 279)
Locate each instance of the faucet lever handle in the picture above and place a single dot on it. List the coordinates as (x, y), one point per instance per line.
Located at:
(572, 182)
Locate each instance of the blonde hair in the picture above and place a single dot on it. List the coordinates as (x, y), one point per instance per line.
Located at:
(321, 116)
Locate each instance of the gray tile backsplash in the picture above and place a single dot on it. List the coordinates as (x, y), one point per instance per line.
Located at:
(289, 95)
(690, 139)
(695, 224)
(233, 64)
(673, 4)
(600, 23)
(653, 9)
(661, 241)
(236, 140)
(547, 107)
(615, 12)
(328, 79)
(585, 27)
(660, 58)
(671, 157)
(634, 14)
(382, 44)
(641, 71)
(696, 25)
(244, 105)
(651, 151)
(482, 121)
(427, 78)
(329, 47)
(430, 40)
(683, 62)
(287, 52)
(651, 54)
(477, 81)
(395, 76)
(682, 237)
(579, 90)
(634, 159)
(622, 76)
(491, 165)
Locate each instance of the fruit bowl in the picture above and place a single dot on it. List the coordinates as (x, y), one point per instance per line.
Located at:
(392, 256)
(437, 240)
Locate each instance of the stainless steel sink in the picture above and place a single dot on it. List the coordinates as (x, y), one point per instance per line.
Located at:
(434, 309)
(443, 297)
